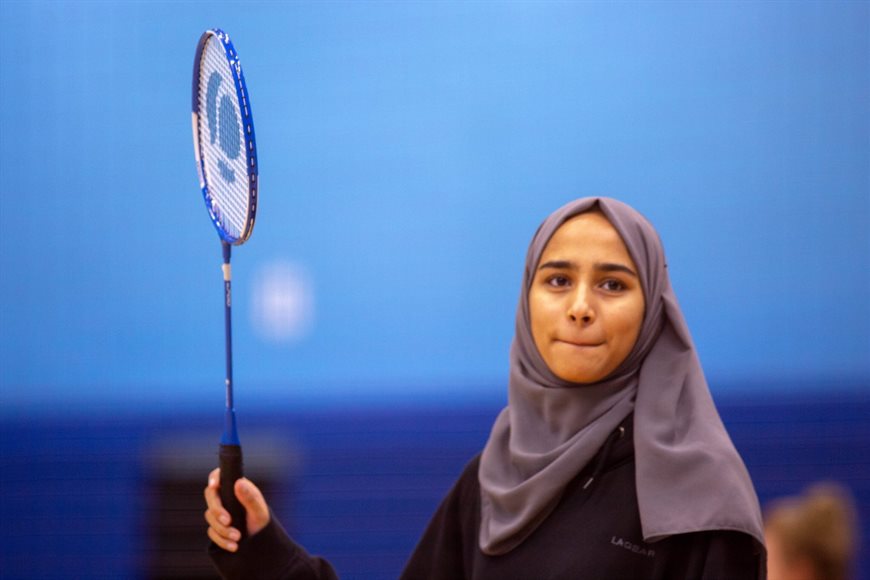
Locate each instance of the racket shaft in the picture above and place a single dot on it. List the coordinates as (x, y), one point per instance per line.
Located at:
(228, 331)
(231, 470)
(230, 449)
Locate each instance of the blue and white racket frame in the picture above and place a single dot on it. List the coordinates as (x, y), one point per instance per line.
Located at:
(250, 146)
(230, 450)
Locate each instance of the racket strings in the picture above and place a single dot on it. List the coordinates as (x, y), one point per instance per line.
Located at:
(222, 139)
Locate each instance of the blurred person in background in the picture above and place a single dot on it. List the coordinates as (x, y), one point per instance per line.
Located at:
(812, 536)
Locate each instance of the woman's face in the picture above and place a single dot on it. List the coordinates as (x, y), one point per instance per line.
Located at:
(586, 303)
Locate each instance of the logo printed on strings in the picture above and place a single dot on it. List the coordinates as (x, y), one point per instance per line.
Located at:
(223, 125)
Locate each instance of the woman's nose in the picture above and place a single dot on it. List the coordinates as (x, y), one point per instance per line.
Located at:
(580, 307)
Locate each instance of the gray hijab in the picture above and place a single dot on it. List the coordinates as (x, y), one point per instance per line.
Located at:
(689, 476)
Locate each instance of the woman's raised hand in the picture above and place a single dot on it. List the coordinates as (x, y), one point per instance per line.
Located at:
(220, 528)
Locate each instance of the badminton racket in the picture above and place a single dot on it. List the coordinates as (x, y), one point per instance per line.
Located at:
(226, 160)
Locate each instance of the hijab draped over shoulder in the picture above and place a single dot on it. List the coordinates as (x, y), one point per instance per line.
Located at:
(689, 476)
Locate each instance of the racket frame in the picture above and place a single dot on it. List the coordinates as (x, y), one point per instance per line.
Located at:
(250, 146)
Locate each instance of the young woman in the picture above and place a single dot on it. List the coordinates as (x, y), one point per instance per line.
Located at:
(610, 460)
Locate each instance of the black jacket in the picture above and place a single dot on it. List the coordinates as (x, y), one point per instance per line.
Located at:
(594, 533)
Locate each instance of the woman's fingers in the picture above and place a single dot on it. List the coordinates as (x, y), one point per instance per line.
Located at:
(213, 500)
(224, 531)
(222, 542)
(217, 517)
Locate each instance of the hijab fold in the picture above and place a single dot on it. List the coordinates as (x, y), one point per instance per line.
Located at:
(689, 476)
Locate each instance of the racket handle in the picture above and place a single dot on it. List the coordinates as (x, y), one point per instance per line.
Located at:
(231, 470)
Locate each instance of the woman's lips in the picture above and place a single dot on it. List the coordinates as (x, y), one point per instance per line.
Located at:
(580, 343)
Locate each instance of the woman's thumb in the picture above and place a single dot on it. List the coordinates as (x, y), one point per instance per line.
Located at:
(252, 499)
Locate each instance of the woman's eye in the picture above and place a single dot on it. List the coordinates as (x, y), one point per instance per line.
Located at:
(613, 285)
(558, 281)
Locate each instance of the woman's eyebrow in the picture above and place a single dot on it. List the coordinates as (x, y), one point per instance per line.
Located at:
(610, 267)
(600, 266)
(558, 265)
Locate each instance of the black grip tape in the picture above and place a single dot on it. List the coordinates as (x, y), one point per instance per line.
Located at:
(231, 470)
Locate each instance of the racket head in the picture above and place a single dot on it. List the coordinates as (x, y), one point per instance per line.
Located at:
(223, 137)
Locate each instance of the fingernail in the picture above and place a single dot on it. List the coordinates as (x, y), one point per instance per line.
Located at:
(211, 482)
(225, 519)
(235, 535)
(232, 547)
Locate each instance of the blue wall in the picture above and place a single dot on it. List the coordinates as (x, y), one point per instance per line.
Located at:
(407, 153)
